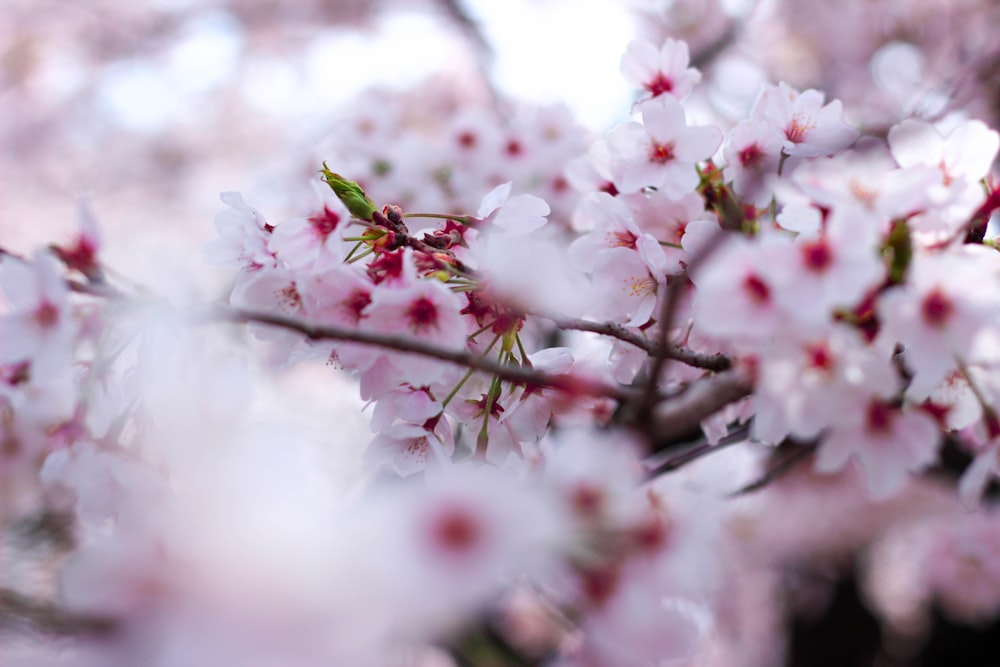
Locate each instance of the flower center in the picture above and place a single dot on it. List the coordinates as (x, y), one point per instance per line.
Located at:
(756, 289)
(324, 223)
(660, 84)
(751, 156)
(356, 304)
(936, 308)
(796, 130)
(422, 314)
(819, 357)
(817, 255)
(621, 239)
(878, 417)
(661, 153)
(46, 315)
(456, 530)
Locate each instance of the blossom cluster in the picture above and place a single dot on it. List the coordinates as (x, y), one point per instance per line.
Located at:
(780, 282)
(426, 151)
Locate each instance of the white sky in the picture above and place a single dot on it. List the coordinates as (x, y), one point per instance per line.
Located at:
(546, 50)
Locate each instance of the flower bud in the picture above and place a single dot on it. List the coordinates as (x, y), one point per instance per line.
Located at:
(350, 194)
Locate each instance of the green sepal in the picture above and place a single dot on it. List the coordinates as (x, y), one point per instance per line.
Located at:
(898, 250)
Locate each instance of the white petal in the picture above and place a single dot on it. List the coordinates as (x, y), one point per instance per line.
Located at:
(494, 200)
(522, 214)
(915, 142)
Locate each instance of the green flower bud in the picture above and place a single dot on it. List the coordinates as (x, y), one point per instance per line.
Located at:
(351, 194)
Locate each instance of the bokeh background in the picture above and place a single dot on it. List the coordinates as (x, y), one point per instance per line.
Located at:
(154, 108)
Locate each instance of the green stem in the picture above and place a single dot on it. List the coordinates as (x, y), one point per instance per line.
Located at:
(361, 256)
(491, 396)
(473, 335)
(520, 346)
(465, 378)
(347, 259)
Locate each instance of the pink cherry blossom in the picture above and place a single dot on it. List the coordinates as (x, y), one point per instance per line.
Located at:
(662, 152)
(662, 71)
(455, 542)
(40, 326)
(888, 442)
(521, 214)
(530, 408)
(965, 154)
(936, 316)
(805, 388)
(816, 275)
(867, 180)
(316, 239)
(806, 126)
(737, 290)
(243, 235)
(752, 153)
(424, 310)
(410, 448)
(626, 285)
(612, 226)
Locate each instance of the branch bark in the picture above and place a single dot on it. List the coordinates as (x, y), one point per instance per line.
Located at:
(675, 419)
(17, 609)
(570, 383)
(710, 362)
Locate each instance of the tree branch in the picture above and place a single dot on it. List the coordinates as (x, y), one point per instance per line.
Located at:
(19, 609)
(570, 383)
(696, 451)
(779, 469)
(710, 362)
(682, 415)
(671, 302)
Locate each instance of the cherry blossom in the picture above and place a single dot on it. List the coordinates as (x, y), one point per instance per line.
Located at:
(40, 327)
(423, 310)
(521, 214)
(936, 317)
(662, 71)
(596, 400)
(752, 152)
(317, 238)
(662, 152)
(806, 126)
(737, 291)
(243, 235)
(889, 443)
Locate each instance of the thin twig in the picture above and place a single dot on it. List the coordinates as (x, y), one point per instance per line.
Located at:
(779, 469)
(696, 451)
(574, 384)
(710, 362)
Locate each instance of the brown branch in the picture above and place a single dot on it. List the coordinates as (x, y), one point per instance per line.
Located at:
(704, 57)
(710, 362)
(17, 609)
(682, 415)
(801, 452)
(739, 436)
(570, 383)
(675, 288)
